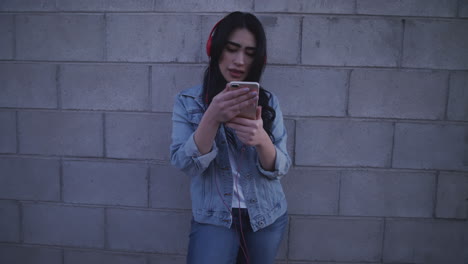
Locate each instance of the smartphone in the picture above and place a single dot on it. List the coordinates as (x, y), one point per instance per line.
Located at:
(250, 111)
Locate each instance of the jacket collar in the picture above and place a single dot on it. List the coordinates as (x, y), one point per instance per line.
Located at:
(196, 93)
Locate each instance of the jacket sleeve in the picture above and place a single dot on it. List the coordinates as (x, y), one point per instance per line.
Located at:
(283, 160)
(184, 152)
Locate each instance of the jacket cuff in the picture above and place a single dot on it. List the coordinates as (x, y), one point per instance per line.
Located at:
(201, 160)
(280, 169)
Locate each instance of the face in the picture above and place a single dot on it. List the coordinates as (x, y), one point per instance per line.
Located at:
(237, 55)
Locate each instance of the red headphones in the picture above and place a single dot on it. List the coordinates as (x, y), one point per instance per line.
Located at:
(208, 43)
(210, 37)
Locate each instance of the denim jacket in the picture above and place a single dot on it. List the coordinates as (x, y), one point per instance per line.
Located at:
(211, 176)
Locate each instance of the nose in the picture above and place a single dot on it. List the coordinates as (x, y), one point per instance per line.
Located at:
(239, 59)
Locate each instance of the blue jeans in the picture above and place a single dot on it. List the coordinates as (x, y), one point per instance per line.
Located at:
(219, 245)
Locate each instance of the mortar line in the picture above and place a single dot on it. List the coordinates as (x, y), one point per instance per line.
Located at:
(17, 132)
(447, 99)
(402, 44)
(348, 90)
(457, 11)
(283, 13)
(355, 7)
(21, 220)
(62, 253)
(150, 89)
(61, 179)
(382, 248)
(106, 37)
(392, 149)
(148, 185)
(104, 144)
(301, 26)
(58, 86)
(106, 242)
(14, 33)
(339, 193)
(434, 197)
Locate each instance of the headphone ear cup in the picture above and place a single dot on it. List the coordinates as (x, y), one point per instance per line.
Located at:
(208, 46)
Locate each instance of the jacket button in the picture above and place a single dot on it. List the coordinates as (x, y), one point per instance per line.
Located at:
(261, 223)
(253, 201)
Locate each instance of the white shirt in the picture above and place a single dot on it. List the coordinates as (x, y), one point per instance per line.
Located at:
(238, 200)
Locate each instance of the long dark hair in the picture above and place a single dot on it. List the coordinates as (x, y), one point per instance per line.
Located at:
(214, 82)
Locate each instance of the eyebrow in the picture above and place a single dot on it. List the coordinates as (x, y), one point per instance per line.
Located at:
(239, 45)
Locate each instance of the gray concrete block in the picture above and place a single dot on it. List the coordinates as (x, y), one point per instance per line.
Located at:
(168, 80)
(29, 255)
(435, 44)
(60, 37)
(351, 41)
(161, 38)
(138, 136)
(458, 97)
(452, 195)
(427, 146)
(398, 94)
(167, 259)
(306, 6)
(425, 241)
(330, 239)
(63, 225)
(384, 193)
(27, 5)
(30, 179)
(283, 38)
(107, 87)
(99, 257)
(311, 191)
(321, 142)
(308, 91)
(463, 8)
(290, 125)
(135, 230)
(434, 8)
(203, 6)
(9, 222)
(7, 41)
(28, 85)
(7, 132)
(65, 133)
(109, 183)
(105, 5)
(207, 24)
(164, 180)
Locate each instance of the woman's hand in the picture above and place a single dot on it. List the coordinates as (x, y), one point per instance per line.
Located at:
(228, 104)
(250, 132)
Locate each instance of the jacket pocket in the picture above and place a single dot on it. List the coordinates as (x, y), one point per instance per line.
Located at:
(195, 116)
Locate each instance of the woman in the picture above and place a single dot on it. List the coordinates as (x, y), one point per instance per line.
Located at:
(238, 205)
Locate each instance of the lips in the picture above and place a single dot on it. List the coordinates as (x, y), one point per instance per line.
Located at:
(236, 73)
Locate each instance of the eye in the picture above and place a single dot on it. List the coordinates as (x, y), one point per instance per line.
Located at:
(230, 48)
(250, 53)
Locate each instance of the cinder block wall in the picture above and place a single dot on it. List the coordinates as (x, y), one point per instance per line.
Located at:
(374, 92)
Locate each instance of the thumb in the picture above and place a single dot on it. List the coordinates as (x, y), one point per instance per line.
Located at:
(259, 112)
